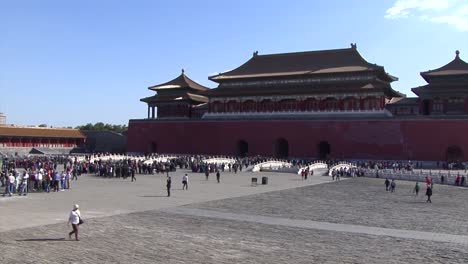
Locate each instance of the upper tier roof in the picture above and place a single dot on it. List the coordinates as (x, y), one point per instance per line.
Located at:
(182, 81)
(14, 131)
(456, 67)
(175, 97)
(301, 63)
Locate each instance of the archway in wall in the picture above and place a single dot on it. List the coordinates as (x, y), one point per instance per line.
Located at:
(454, 154)
(242, 148)
(324, 149)
(153, 147)
(281, 148)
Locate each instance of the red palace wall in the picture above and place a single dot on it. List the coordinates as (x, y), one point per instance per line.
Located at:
(352, 139)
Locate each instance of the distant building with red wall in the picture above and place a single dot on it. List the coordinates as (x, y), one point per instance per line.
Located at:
(30, 137)
(328, 103)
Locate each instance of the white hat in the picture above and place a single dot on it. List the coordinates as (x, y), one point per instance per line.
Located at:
(76, 206)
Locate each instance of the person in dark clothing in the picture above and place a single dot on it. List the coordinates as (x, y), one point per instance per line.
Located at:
(132, 170)
(168, 186)
(387, 184)
(217, 176)
(393, 186)
(416, 188)
(429, 194)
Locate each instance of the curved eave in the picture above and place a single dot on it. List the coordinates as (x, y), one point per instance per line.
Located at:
(146, 99)
(181, 81)
(221, 78)
(456, 67)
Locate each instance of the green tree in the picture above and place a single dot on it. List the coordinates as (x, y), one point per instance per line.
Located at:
(100, 126)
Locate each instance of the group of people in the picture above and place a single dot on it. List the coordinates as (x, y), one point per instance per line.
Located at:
(390, 186)
(36, 174)
(40, 180)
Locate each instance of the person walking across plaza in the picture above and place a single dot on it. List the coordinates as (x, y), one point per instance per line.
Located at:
(168, 186)
(75, 220)
(416, 188)
(392, 186)
(185, 182)
(387, 184)
(132, 170)
(429, 194)
(218, 176)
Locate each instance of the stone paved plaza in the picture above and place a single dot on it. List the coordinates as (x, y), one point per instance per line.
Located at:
(286, 221)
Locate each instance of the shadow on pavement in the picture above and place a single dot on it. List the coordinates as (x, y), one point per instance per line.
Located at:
(152, 196)
(42, 239)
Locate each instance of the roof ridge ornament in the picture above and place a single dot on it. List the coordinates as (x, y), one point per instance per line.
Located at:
(354, 46)
(183, 71)
(457, 54)
(255, 54)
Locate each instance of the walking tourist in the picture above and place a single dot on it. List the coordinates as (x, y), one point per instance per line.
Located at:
(416, 188)
(387, 184)
(392, 185)
(185, 182)
(429, 194)
(75, 220)
(457, 180)
(132, 171)
(168, 186)
(217, 176)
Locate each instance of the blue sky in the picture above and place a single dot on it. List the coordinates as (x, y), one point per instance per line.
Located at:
(66, 63)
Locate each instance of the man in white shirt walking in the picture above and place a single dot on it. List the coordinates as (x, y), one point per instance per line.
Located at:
(74, 220)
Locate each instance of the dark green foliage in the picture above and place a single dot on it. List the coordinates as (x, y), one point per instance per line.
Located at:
(99, 126)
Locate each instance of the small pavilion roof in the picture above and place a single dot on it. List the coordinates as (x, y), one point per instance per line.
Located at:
(181, 81)
(301, 63)
(185, 96)
(456, 67)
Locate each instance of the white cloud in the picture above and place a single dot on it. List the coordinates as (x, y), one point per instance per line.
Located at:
(450, 12)
(402, 8)
(461, 23)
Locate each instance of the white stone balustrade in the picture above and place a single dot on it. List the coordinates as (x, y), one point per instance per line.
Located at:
(271, 165)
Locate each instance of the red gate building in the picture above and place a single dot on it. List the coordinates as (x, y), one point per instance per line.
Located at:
(328, 103)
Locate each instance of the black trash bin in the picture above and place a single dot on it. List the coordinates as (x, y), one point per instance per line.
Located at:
(254, 181)
(264, 180)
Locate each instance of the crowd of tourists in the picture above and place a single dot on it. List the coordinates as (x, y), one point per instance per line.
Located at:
(21, 175)
(36, 174)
